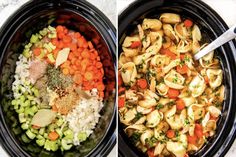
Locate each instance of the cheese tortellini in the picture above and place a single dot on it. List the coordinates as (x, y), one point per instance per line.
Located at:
(168, 102)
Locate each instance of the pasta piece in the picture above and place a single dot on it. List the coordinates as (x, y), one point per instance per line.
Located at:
(141, 120)
(129, 73)
(181, 31)
(215, 77)
(162, 89)
(169, 32)
(123, 59)
(146, 135)
(129, 52)
(167, 42)
(141, 32)
(156, 46)
(159, 60)
(197, 86)
(131, 96)
(170, 18)
(206, 119)
(196, 111)
(128, 116)
(214, 111)
(172, 64)
(155, 35)
(129, 40)
(188, 101)
(174, 80)
(150, 99)
(196, 33)
(141, 58)
(178, 148)
(135, 127)
(152, 84)
(143, 110)
(158, 149)
(184, 46)
(153, 24)
(154, 118)
(210, 126)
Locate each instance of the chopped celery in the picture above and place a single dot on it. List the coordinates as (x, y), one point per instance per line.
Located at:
(17, 130)
(51, 58)
(29, 111)
(34, 38)
(52, 29)
(82, 136)
(35, 91)
(25, 126)
(69, 134)
(51, 46)
(42, 54)
(20, 110)
(41, 131)
(60, 122)
(22, 118)
(45, 135)
(14, 102)
(25, 138)
(43, 32)
(26, 103)
(39, 136)
(66, 144)
(53, 35)
(26, 53)
(58, 130)
(40, 142)
(49, 49)
(30, 134)
(30, 97)
(51, 145)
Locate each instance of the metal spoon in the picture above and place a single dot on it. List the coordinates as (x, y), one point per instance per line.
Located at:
(225, 37)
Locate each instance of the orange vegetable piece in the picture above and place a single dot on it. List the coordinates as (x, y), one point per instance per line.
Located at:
(192, 139)
(67, 39)
(168, 53)
(182, 69)
(65, 71)
(188, 23)
(85, 53)
(142, 83)
(99, 65)
(53, 135)
(59, 28)
(120, 81)
(170, 133)
(173, 93)
(198, 131)
(180, 105)
(206, 79)
(135, 44)
(78, 79)
(88, 75)
(101, 87)
(121, 102)
(121, 90)
(37, 51)
(150, 153)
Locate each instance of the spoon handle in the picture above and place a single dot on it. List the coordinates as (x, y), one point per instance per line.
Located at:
(225, 37)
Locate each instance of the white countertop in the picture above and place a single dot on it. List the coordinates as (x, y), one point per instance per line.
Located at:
(7, 7)
(226, 9)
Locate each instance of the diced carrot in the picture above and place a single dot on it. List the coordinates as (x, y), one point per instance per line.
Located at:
(101, 87)
(78, 79)
(180, 105)
(182, 69)
(150, 153)
(66, 39)
(173, 93)
(213, 118)
(135, 44)
(73, 46)
(37, 51)
(121, 90)
(142, 83)
(60, 35)
(192, 139)
(88, 75)
(101, 94)
(55, 52)
(53, 135)
(170, 133)
(188, 23)
(71, 56)
(182, 56)
(168, 53)
(65, 71)
(121, 102)
(54, 108)
(120, 81)
(85, 53)
(65, 30)
(198, 131)
(206, 79)
(90, 45)
(36, 127)
(99, 65)
(59, 28)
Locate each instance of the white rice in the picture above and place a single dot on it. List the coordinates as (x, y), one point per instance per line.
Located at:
(84, 117)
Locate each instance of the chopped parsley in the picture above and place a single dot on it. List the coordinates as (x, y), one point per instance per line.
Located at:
(151, 141)
(135, 137)
(186, 122)
(159, 106)
(138, 116)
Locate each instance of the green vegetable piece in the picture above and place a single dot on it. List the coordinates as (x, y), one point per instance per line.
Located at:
(60, 122)
(53, 35)
(30, 134)
(58, 130)
(69, 134)
(22, 118)
(41, 131)
(34, 38)
(25, 138)
(25, 126)
(26, 53)
(20, 110)
(35, 91)
(52, 29)
(51, 58)
(51, 145)
(17, 130)
(49, 49)
(82, 136)
(66, 144)
(26, 103)
(14, 102)
(40, 142)
(43, 32)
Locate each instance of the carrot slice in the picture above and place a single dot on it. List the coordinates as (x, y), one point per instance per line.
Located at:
(206, 79)
(65, 71)
(170, 133)
(37, 51)
(168, 53)
(188, 23)
(192, 139)
(182, 69)
(121, 90)
(142, 83)
(135, 44)
(121, 102)
(180, 105)
(88, 75)
(150, 153)
(53, 135)
(173, 93)
(198, 131)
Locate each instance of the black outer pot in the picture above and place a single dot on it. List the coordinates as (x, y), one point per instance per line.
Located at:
(210, 24)
(76, 15)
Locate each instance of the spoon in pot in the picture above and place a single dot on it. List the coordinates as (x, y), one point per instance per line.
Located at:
(225, 37)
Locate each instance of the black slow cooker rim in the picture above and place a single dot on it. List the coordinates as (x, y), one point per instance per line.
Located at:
(108, 141)
(123, 147)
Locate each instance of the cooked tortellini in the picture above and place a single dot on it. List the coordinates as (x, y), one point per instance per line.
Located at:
(168, 102)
